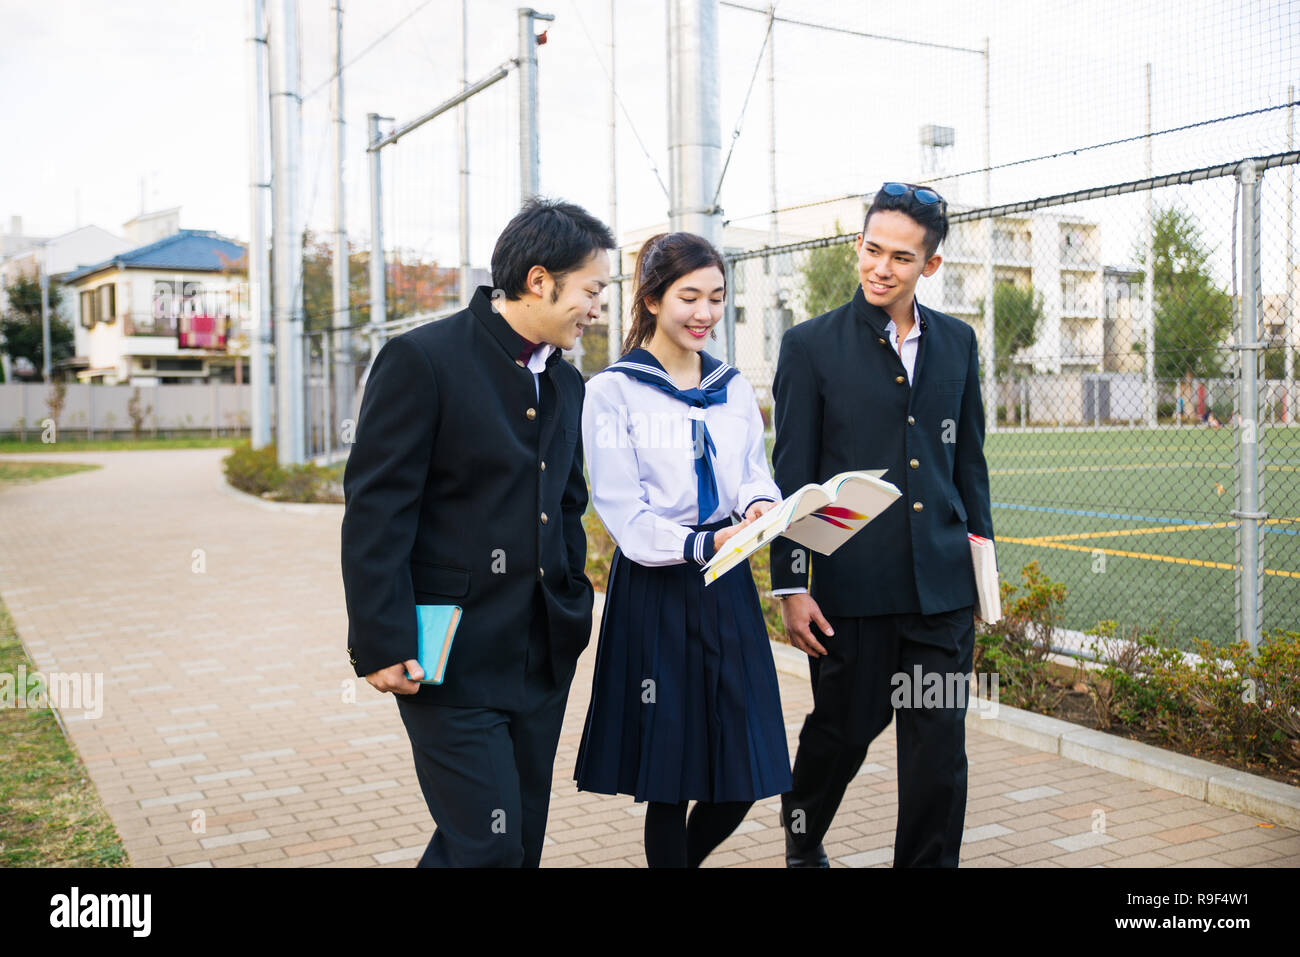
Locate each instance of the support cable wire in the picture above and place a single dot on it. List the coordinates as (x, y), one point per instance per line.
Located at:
(1271, 161)
(654, 168)
(735, 134)
(853, 33)
(370, 46)
(1032, 159)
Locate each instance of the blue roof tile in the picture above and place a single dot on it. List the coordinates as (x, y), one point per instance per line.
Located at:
(188, 249)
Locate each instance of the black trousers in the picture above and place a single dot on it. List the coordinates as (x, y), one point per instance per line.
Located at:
(485, 773)
(868, 677)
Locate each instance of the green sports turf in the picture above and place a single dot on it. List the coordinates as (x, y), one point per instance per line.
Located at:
(1154, 480)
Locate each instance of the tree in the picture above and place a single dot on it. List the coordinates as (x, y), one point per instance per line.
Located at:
(20, 323)
(1017, 311)
(1193, 316)
(318, 284)
(414, 285)
(830, 277)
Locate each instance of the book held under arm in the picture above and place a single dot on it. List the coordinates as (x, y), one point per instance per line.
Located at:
(988, 591)
(821, 517)
(436, 626)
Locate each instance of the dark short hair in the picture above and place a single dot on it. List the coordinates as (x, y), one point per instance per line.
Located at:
(932, 217)
(555, 235)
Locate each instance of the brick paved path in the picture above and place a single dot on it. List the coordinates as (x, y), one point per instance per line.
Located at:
(219, 628)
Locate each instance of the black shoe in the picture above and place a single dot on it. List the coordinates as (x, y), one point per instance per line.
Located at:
(796, 858)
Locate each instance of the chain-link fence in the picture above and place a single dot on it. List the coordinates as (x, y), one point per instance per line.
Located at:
(1142, 444)
(1142, 440)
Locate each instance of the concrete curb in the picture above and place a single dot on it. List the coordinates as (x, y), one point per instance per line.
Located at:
(1224, 787)
(300, 508)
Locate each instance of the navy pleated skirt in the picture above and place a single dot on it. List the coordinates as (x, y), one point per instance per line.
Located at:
(684, 703)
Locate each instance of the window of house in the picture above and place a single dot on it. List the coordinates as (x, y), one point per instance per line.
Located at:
(89, 302)
(107, 302)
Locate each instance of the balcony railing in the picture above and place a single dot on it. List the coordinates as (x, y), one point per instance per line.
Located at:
(197, 331)
(147, 324)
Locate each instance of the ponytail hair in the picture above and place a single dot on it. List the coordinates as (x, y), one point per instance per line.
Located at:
(661, 261)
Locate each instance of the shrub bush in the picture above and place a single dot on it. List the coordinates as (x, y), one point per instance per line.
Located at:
(255, 471)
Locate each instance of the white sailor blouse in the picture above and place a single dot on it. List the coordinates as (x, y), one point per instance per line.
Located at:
(641, 436)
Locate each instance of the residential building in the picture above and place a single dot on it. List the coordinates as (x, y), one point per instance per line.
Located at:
(171, 311)
(29, 256)
(1056, 255)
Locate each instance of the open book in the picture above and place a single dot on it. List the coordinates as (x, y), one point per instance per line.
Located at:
(821, 517)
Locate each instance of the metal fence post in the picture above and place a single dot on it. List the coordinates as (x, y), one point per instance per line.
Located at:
(1249, 584)
(990, 336)
(729, 310)
(378, 307)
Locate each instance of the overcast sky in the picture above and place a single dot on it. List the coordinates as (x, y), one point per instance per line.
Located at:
(98, 96)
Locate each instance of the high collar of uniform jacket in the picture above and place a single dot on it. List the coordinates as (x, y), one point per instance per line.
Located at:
(877, 318)
(511, 342)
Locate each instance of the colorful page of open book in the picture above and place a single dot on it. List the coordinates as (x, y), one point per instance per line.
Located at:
(822, 517)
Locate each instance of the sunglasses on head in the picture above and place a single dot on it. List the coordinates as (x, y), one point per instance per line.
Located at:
(926, 196)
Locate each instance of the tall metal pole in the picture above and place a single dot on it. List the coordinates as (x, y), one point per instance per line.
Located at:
(529, 175)
(1289, 306)
(45, 313)
(615, 304)
(259, 263)
(462, 132)
(1148, 280)
(1247, 512)
(378, 291)
(772, 324)
(773, 234)
(990, 351)
(342, 313)
(286, 115)
(694, 126)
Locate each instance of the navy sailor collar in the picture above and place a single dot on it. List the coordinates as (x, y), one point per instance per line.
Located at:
(712, 371)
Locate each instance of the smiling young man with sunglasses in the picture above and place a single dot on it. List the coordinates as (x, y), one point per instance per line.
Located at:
(884, 382)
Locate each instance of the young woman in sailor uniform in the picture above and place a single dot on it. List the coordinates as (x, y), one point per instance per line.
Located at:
(684, 703)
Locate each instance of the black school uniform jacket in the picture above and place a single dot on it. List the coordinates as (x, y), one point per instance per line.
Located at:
(464, 487)
(842, 402)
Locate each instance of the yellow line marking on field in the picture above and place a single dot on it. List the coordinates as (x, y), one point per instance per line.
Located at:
(1129, 531)
(1171, 559)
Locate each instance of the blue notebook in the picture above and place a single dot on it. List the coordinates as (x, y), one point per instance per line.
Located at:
(437, 626)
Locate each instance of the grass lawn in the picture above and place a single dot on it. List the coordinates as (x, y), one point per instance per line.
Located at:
(50, 813)
(35, 445)
(16, 473)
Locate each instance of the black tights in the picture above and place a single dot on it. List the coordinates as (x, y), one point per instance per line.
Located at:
(673, 841)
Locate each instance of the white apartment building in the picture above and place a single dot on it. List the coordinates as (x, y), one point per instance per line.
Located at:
(1058, 255)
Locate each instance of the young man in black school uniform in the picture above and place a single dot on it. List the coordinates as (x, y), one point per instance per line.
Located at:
(884, 381)
(465, 487)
